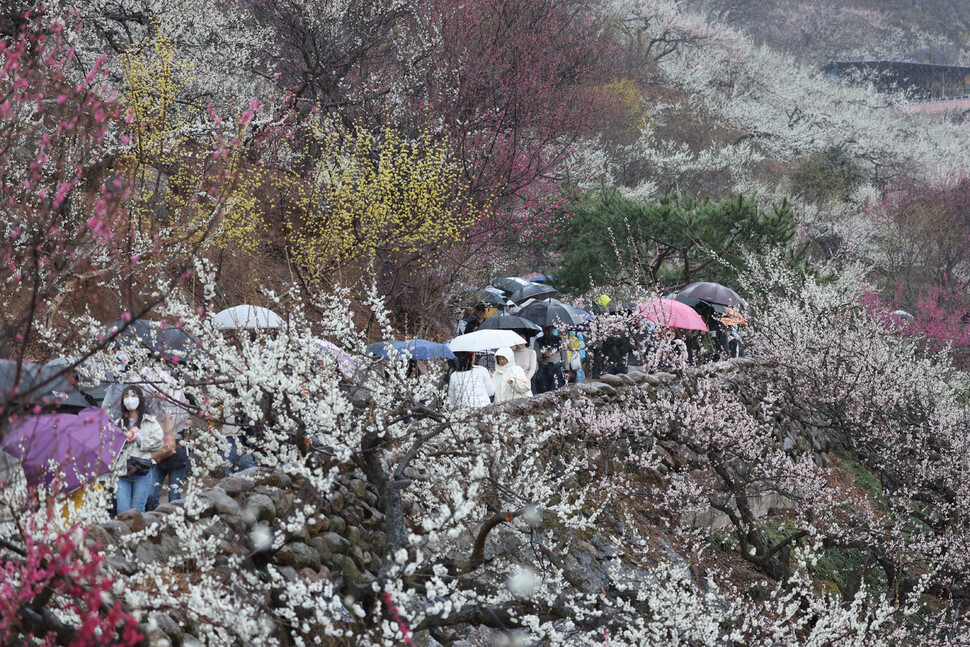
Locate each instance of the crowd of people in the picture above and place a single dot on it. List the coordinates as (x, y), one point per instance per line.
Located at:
(553, 357)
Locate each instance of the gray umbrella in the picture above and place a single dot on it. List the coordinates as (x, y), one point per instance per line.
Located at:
(510, 284)
(550, 313)
(713, 293)
(508, 322)
(533, 291)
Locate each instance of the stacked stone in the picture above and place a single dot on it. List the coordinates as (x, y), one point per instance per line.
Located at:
(342, 542)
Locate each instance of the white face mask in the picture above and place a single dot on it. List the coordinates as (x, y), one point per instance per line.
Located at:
(131, 402)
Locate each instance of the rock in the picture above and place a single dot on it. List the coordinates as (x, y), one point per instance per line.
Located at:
(318, 526)
(169, 627)
(337, 502)
(298, 555)
(152, 518)
(261, 506)
(189, 640)
(116, 529)
(220, 529)
(788, 444)
(153, 634)
(258, 475)
(169, 547)
(289, 573)
(148, 553)
(170, 507)
(123, 566)
(281, 479)
(234, 486)
(216, 501)
(358, 487)
(337, 524)
(354, 535)
(133, 519)
(309, 574)
(320, 545)
(337, 544)
(100, 535)
(301, 534)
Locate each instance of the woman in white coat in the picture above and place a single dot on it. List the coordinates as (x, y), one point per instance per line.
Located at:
(510, 380)
(144, 436)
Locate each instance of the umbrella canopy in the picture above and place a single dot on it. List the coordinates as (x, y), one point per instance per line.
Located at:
(672, 314)
(176, 345)
(47, 386)
(902, 315)
(416, 349)
(532, 291)
(508, 322)
(551, 313)
(483, 340)
(492, 296)
(345, 363)
(713, 293)
(246, 317)
(510, 284)
(81, 446)
(539, 278)
(137, 332)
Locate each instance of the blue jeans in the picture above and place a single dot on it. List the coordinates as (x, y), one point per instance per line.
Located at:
(176, 476)
(133, 491)
(237, 461)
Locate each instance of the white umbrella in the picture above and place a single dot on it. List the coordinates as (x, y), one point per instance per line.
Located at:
(483, 340)
(248, 317)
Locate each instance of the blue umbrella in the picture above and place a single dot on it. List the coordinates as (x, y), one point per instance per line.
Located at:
(417, 349)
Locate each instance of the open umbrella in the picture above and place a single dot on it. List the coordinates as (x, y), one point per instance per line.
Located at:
(672, 314)
(47, 386)
(416, 349)
(80, 446)
(713, 293)
(492, 296)
(176, 345)
(246, 317)
(510, 284)
(508, 322)
(484, 340)
(136, 333)
(532, 291)
(539, 278)
(345, 363)
(551, 312)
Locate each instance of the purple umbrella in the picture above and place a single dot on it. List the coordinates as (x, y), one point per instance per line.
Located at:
(81, 446)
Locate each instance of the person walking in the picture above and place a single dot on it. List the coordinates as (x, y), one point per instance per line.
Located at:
(525, 358)
(510, 380)
(550, 355)
(144, 436)
(469, 385)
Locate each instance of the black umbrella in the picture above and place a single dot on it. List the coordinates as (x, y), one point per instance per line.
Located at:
(550, 313)
(510, 284)
(533, 291)
(491, 296)
(48, 386)
(508, 322)
(713, 293)
(138, 333)
(176, 345)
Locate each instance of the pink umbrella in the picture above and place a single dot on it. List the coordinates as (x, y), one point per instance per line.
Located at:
(672, 314)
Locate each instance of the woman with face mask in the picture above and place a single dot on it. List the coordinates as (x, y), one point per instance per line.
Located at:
(510, 380)
(145, 435)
